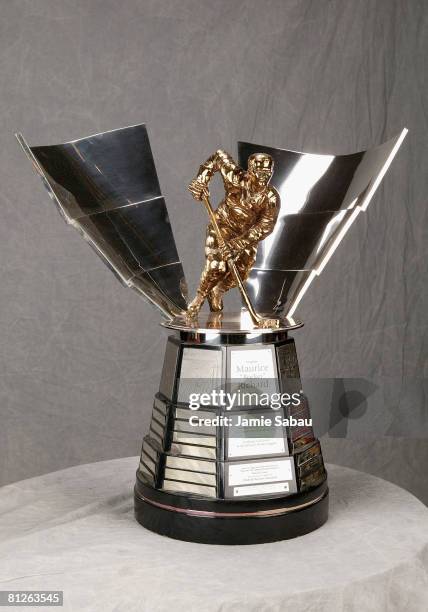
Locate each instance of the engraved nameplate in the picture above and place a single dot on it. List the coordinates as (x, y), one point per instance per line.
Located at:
(182, 463)
(288, 367)
(263, 477)
(169, 369)
(201, 372)
(252, 372)
(255, 434)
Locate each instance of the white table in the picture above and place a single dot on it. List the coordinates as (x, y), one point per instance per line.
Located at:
(74, 531)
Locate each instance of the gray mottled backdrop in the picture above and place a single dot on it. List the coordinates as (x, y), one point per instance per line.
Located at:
(81, 356)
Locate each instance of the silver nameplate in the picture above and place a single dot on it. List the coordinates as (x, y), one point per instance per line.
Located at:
(264, 478)
(169, 370)
(185, 487)
(193, 477)
(192, 450)
(191, 464)
(201, 371)
(200, 440)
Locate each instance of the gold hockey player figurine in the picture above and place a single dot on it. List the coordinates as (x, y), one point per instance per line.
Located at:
(246, 215)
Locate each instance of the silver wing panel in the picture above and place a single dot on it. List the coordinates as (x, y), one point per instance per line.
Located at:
(106, 186)
(321, 196)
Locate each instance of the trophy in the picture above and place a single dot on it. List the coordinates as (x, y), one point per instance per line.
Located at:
(218, 464)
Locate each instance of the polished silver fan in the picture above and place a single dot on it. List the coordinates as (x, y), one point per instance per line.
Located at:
(106, 187)
(321, 196)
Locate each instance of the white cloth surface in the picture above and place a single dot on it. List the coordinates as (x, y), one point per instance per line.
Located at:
(74, 530)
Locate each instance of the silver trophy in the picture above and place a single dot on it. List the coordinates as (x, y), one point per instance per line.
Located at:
(218, 465)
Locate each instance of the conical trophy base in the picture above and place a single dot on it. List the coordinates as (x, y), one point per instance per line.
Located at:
(230, 473)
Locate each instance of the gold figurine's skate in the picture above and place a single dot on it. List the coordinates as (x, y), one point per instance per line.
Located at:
(246, 215)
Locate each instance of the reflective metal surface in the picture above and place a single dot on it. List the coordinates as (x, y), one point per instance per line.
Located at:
(189, 476)
(184, 487)
(214, 323)
(183, 463)
(232, 452)
(321, 196)
(106, 186)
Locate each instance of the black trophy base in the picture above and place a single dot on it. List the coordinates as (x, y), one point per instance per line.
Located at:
(224, 522)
